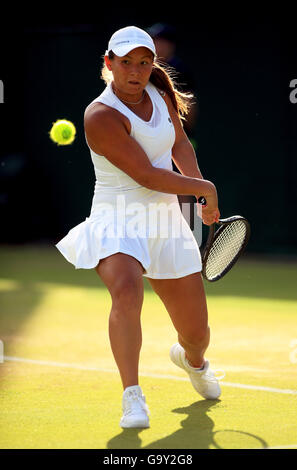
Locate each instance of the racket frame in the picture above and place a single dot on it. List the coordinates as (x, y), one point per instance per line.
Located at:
(213, 235)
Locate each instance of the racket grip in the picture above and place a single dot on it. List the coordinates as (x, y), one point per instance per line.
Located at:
(202, 201)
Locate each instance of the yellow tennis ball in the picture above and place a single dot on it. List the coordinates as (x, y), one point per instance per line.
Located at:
(63, 132)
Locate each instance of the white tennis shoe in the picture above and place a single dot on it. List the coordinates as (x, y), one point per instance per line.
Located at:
(203, 380)
(135, 409)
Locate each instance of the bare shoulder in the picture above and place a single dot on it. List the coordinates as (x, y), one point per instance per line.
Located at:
(102, 117)
(97, 108)
(104, 126)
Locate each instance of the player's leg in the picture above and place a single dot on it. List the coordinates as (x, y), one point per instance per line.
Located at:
(185, 301)
(122, 275)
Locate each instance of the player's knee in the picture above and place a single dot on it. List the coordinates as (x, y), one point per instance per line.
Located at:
(127, 294)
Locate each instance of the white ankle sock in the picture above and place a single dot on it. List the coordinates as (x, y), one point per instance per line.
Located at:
(195, 368)
(132, 387)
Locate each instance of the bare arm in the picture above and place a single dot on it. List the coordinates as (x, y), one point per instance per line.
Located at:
(183, 153)
(184, 157)
(107, 133)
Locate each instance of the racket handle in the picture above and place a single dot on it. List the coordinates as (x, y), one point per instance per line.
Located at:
(202, 201)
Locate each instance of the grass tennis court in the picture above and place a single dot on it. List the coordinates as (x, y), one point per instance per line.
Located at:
(59, 383)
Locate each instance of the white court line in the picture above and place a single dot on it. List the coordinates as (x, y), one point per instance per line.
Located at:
(146, 374)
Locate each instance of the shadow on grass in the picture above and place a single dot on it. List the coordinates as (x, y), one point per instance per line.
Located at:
(18, 300)
(250, 277)
(196, 432)
(45, 264)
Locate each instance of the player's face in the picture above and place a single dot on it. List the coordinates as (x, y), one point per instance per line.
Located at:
(131, 73)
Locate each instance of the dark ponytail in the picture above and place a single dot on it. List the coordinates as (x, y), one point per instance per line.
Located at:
(163, 77)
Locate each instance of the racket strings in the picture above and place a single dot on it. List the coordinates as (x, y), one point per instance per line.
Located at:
(225, 248)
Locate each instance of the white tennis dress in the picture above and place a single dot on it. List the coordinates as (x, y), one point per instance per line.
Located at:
(128, 218)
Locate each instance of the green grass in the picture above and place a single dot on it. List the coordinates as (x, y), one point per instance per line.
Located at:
(51, 312)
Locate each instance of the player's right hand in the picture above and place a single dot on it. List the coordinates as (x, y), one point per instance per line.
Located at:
(210, 216)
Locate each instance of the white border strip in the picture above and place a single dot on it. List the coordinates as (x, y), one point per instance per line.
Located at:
(290, 446)
(146, 374)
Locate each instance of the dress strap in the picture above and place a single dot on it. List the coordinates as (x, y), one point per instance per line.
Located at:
(158, 96)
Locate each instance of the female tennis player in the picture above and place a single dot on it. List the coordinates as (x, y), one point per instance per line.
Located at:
(134, 131)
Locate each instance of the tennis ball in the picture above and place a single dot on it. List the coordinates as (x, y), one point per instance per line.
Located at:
(62, 132)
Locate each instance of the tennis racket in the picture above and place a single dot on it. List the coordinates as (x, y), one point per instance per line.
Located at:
(224, 245)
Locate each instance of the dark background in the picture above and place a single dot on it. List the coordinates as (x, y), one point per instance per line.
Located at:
(246, 129)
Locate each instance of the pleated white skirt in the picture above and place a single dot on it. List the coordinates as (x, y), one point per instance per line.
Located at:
(145, 224)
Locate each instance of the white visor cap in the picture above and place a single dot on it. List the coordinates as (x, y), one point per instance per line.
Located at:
(126, 39)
